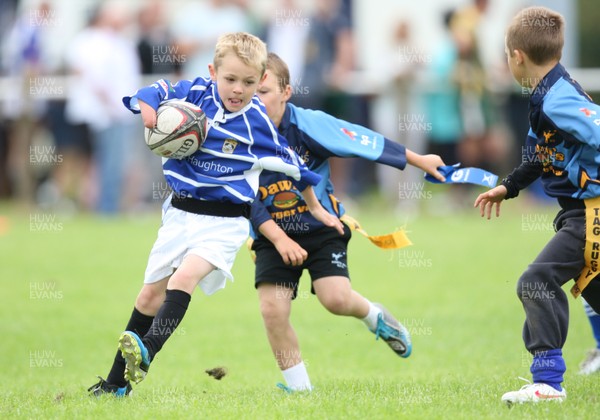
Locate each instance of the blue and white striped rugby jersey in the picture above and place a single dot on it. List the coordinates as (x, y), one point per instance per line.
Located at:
(237, 148)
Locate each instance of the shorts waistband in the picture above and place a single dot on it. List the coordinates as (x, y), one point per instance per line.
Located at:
(569, 203)
(211, 208)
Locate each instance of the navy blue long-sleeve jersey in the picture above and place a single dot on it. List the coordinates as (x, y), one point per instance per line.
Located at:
(563, 143)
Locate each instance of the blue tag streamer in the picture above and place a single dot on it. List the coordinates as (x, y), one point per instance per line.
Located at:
(456, 175)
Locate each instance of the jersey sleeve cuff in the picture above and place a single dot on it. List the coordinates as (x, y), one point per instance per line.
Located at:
(511, 189)
(393, 154)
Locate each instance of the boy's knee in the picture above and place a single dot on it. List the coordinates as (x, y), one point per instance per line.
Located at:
(149, 300)
(535, 285)
(274, 311)
(335, 303)
(527, 283)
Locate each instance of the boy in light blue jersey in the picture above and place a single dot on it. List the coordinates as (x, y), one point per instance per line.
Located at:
(205, 221)
(290, 240)
(563, 149)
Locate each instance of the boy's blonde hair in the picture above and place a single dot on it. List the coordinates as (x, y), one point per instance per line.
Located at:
(538, 32)
(247, 47)
(279, 69)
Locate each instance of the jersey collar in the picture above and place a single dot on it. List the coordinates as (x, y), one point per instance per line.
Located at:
(222, 114)
(540, 91)
(284, 124)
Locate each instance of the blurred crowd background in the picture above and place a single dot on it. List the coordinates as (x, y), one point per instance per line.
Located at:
(431, 76)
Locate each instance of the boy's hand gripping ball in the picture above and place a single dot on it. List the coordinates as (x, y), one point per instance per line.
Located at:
(180, 130)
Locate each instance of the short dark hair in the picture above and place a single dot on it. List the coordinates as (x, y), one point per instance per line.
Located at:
(279, 69)
(538, 32)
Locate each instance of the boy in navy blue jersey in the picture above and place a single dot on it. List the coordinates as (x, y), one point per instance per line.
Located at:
(562, 148)
(205, 219)
(290, 240)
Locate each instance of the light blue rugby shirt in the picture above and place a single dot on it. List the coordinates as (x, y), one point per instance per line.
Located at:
(316, 137)
(238, 145)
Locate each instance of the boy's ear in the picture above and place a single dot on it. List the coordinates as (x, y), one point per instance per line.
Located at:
(519, 56)
(263, 77)
(212, 71)
(287, 93)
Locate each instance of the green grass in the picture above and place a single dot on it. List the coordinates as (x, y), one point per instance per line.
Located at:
(69, 285)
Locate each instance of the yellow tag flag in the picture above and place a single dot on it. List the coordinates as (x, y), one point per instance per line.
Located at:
(393, 240)
(591, 251)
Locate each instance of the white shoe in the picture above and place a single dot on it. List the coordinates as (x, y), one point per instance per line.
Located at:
(591, 364)
(534, 393)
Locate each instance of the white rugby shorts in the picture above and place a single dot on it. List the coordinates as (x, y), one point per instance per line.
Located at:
(216, 239)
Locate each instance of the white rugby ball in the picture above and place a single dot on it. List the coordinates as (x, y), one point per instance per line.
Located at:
(179, 132)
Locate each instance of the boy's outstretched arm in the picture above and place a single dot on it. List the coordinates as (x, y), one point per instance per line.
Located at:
(160, 91)
(428, 163)
(148, 114)
(290, 251)
(486, 200)
(333, 137)
(319, 212)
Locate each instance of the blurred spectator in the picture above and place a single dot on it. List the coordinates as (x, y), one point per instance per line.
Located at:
(328, 55)
(329, 60)
(443, 112)
(105, 68)
(155, 45)
(254, 21)
(8, 10)
(397, 115)
(481, 145)
(67, 189)
(442, 98)
(196, 27)
(158, 56)
(22, 60)
(287, 36)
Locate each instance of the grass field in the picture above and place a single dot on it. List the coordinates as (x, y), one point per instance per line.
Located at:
(69, 285)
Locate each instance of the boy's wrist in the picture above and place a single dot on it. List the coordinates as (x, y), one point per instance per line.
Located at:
(511, 189)
(271, 230)
(308, 194)
(412, 158)
(278, 236)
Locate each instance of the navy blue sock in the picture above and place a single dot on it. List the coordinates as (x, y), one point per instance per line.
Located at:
(548, 366)
(167, 319)
(594, 319)
(595, 323)
(140, 324)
